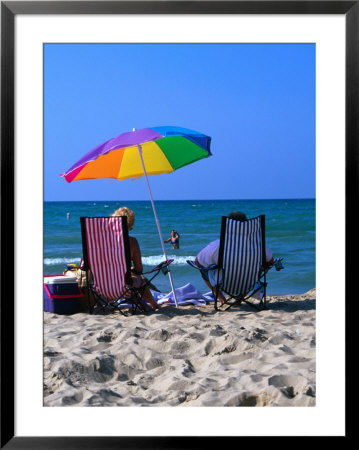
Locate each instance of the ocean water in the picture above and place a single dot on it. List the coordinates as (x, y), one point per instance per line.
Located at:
(290, 233)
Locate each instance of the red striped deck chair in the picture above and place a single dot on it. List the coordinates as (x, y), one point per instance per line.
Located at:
(106, 255)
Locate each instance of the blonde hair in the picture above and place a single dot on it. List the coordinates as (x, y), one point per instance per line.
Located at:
(124, 211)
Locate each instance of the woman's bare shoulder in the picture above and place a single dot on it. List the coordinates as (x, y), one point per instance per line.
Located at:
(133, 240)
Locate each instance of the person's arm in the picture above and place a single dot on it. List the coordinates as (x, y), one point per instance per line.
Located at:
(269, 255)
(197, 262)
(167, 240)
(136, 256)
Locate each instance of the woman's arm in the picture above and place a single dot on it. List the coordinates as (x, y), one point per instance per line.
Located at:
(136, 255)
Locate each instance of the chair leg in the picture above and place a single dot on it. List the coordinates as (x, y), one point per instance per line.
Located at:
(236, 301)
(252, 305)
(263, 304)
(216, 298)
(138, 302)
(264, 298)
(239, 300)
(99, 305)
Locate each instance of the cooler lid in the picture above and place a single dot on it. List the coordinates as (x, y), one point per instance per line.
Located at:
(60, 279)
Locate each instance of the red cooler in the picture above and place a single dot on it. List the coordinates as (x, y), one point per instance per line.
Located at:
(61, 294)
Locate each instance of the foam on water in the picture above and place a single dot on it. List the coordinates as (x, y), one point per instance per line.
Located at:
(146, 260)
(156, 259)
(56, 261)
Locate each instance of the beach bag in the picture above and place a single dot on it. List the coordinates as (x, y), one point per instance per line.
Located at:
(87, 302)
(73, 270)
(81, 277)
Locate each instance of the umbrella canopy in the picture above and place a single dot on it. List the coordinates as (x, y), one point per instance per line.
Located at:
(148, 151)
(164, 150)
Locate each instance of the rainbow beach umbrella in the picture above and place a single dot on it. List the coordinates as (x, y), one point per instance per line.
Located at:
(148, 151)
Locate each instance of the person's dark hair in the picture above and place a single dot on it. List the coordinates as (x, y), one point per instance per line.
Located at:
(237, 215)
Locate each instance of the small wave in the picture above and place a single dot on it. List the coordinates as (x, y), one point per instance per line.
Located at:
(55, 261)
(156, 259)
(146, 260)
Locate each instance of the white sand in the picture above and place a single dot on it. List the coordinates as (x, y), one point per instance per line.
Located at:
(190, 356)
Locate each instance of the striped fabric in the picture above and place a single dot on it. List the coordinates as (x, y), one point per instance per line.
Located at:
(106, 255)
(242, 255)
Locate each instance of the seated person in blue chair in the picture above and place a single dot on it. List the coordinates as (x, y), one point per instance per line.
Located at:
(209, 256)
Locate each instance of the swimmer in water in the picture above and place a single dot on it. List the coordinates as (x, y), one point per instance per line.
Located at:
(174, 239)
(68, 216)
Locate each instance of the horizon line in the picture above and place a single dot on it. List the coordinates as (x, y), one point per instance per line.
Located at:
(186, 200)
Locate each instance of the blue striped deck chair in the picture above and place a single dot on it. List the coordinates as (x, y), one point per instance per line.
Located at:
(107, 257)
(242, 268)
(242, 262)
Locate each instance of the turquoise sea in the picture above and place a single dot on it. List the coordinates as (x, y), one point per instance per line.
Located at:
(290, 233)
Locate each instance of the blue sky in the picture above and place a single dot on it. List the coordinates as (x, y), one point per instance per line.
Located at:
(256, 101)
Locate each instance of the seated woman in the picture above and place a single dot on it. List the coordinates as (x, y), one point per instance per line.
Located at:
(174, 239)
(136, 268)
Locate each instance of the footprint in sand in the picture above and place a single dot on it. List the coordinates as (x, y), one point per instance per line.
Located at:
(211, 344)
(180, 347)
(180, 385)
(145, 381)
(154, 363)
(188, 369)
(73, 373)
(259, 335)
(248, 399)
(286, 350)
(228, 349)
(104, 397)
(99, 370)
(256, 378)
(159, 335)
(70, 400)
(106, 336)
(102, 369)
(290, 385)
(52, 353)
(217, 331)
(278, 338)
(197, 337)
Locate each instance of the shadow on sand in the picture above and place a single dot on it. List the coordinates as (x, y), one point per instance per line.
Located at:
(292, 306)
(273, 305)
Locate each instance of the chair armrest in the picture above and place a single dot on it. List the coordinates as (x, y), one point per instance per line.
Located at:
(194, 265)
(277, 263)
(160, 266)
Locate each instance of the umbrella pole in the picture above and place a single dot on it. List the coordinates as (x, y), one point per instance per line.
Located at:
(157, 222)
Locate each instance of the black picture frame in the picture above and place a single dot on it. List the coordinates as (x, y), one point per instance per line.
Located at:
(9, 9)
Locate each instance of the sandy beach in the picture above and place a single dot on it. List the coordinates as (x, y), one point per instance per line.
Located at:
(186, 356)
